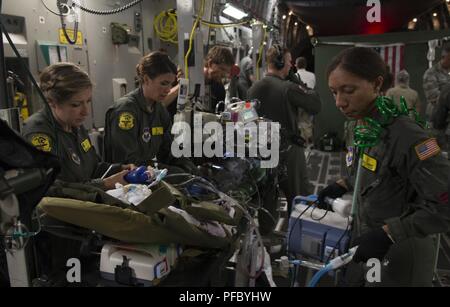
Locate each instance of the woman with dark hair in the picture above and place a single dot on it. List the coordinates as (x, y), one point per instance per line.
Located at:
(59, 129)
(138, 126)
(401, 203)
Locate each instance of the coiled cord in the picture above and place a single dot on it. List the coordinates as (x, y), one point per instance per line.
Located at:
(166, 27)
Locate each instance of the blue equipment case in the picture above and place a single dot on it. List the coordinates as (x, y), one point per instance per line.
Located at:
(316, 238)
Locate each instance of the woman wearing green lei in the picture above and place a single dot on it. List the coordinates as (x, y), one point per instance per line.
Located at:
(397, 173)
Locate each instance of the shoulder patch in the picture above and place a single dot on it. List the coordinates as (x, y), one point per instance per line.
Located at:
(126, 121)
(427, 149)
(41, 141)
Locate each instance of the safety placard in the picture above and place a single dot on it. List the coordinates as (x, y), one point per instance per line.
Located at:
(70, 33)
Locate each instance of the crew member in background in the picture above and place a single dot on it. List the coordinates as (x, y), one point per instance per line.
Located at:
(280, 101)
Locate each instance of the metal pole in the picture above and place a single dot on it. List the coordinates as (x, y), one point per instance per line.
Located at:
(4, 101)
(357, 186)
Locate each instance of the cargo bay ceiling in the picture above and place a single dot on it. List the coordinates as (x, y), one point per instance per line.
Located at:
(348, 17)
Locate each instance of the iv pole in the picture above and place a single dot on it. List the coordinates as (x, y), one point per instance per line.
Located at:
(4, 101)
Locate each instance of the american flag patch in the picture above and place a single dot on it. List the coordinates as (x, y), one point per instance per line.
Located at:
(427, 149)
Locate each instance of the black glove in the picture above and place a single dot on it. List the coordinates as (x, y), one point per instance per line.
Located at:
(188, 166)
(373, 244)
(334, 190)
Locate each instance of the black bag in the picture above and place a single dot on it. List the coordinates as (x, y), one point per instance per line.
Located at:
(330, 142)
(16, 153)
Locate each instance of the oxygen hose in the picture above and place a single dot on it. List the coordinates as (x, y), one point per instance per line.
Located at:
(334, 264)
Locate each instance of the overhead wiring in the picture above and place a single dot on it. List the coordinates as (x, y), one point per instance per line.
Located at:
(107, 12)
(166, 27)
(222, 25)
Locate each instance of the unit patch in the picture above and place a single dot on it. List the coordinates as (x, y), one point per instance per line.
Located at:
(146, 135)
(126, 121)
(41, 142)
(75, 158)
(349, 156)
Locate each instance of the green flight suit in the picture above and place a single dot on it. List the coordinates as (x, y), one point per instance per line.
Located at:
(404, 186)
(134, 133)
(79, 161)
(280, 101)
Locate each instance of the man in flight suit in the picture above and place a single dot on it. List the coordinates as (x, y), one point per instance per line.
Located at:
(280, 101)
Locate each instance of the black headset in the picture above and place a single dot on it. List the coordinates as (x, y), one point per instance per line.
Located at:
(279, 59)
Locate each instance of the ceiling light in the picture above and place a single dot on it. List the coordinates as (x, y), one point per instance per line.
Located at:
(296, 24)
(308, 27)
(415, 20)
(234, 12)
(434, 14)
(291, 13)
(284, 16)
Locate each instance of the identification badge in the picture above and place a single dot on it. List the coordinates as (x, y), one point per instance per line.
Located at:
(157, 131)
(369, 163)
(146, 135)
(86, 145)
(349, 156)
(126, 121)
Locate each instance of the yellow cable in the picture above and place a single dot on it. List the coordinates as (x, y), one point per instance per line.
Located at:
(166, 27)
(191, 38)
(214, 25)
(260, 50)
